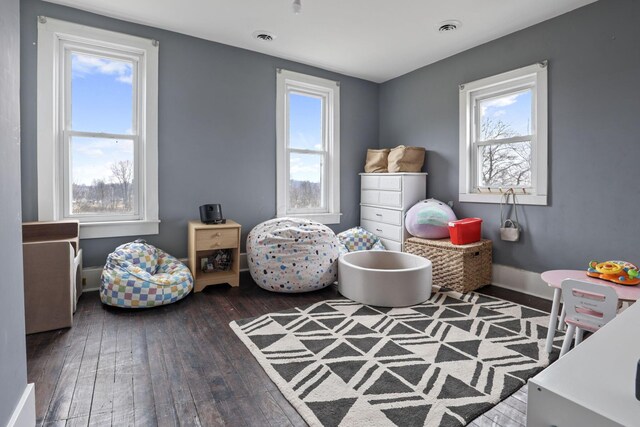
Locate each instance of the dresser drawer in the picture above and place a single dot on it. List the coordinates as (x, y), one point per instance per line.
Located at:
(387, 216)
(392, 245)
(387, 231)
(216, 239)
(370, 182)
(392, 199)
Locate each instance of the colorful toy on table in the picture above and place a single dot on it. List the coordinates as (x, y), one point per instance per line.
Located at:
(620, 272)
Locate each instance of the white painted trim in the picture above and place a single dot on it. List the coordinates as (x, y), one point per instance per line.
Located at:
(524, 199)
(526, 282)
(329, 90)
(25, 413)
(91, 275)
(53, 36)
(94, 230)
(536, 76)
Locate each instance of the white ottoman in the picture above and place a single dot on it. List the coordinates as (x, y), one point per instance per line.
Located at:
(387, 279)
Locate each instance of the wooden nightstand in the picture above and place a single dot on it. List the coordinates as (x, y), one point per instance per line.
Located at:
(204, 241)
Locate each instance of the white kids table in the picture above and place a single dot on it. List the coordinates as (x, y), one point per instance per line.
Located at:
(554, 279)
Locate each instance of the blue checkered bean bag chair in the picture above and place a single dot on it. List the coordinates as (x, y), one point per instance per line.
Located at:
(292, 255)
(139, 275)
(359, 239)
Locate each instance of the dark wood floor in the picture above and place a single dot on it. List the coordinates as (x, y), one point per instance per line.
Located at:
(180, 364)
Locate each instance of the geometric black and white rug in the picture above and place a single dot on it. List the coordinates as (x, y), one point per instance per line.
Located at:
(440, 363)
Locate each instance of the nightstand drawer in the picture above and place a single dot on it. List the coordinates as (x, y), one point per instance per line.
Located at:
(216, 239)
(387, 231)
(393, 183)
(387, 216)
(383, 198)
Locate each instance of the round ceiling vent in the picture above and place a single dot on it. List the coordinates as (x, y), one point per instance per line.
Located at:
(448, 26)
(264, 36)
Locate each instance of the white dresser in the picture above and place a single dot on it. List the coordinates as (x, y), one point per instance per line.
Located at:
(384, 200)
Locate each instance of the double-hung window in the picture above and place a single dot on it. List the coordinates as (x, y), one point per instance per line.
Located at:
(308, 147)
(97, 129)
(503, 136)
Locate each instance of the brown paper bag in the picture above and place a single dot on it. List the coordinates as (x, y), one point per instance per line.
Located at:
(406, 159)
(376, 160)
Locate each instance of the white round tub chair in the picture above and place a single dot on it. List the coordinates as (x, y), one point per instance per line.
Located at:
(139, 275)
(292, 255)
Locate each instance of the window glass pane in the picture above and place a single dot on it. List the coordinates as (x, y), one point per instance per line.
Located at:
(102, 176)
(305, 122)
(506, 116)
(305, 181)
(505, 165)
(101, 94)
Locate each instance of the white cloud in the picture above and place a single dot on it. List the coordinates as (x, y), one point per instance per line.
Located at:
(303, 171)
(503, 101)
(87, 64)
(499, 113)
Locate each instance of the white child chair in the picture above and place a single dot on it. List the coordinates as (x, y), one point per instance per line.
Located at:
(589, 306)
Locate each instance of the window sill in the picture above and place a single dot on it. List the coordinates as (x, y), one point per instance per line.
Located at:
(522, 199)
(323, 218)
(96, 230)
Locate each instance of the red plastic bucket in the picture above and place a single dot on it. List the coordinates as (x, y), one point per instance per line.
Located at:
(465, 231)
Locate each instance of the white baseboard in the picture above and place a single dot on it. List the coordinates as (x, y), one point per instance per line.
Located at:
(504, 276)
(91, 275)
(524, 281)
(25, 412)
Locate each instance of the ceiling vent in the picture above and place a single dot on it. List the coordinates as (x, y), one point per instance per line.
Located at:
(264, 36)
(448, 26)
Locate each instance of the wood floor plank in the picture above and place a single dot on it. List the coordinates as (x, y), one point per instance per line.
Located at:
(123, 403)
(62, 396)
(164, 405)
(143, 400)
(83, 393)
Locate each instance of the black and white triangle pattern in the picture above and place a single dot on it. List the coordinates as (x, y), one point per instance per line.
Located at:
(440, 363)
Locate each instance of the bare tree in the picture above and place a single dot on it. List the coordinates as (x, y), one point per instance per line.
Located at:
(100, 190)
(503, 164)
(122, 173)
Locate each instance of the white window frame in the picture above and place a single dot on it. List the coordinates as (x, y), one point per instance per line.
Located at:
(531, 77)
(55, 38)
(291, 82)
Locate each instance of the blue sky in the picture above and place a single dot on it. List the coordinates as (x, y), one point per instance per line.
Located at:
(514, 110)
(305, 132)
(101, 101)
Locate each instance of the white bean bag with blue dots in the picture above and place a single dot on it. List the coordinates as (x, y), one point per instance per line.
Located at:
(292, 255)
(139, 275)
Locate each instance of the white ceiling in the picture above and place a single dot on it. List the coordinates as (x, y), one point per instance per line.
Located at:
(375, 40)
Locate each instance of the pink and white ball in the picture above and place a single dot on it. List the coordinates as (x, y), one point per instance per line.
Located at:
(429, 219)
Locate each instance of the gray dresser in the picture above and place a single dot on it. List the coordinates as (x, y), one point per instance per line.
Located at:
(384, 201)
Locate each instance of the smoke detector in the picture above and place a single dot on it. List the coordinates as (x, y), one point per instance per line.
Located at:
(448, 26)
(264, 36)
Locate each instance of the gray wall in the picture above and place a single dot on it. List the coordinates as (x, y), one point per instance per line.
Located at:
(216, 132)
(594, 127)
(13, 359)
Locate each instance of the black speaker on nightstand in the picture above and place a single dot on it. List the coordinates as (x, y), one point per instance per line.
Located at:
(212, 214)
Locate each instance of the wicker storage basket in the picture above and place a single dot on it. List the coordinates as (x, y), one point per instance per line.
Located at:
(462, 268)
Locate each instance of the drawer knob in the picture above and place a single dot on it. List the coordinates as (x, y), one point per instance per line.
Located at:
(218, 234)
(216, 244)
(378, 230)
(378, 214)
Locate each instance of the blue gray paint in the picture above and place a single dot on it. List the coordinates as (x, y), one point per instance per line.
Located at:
(594, 123)
(13, 358)
(217, 135)
(217, 131)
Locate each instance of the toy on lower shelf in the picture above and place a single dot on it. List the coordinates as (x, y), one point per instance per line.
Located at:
(620, 272)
